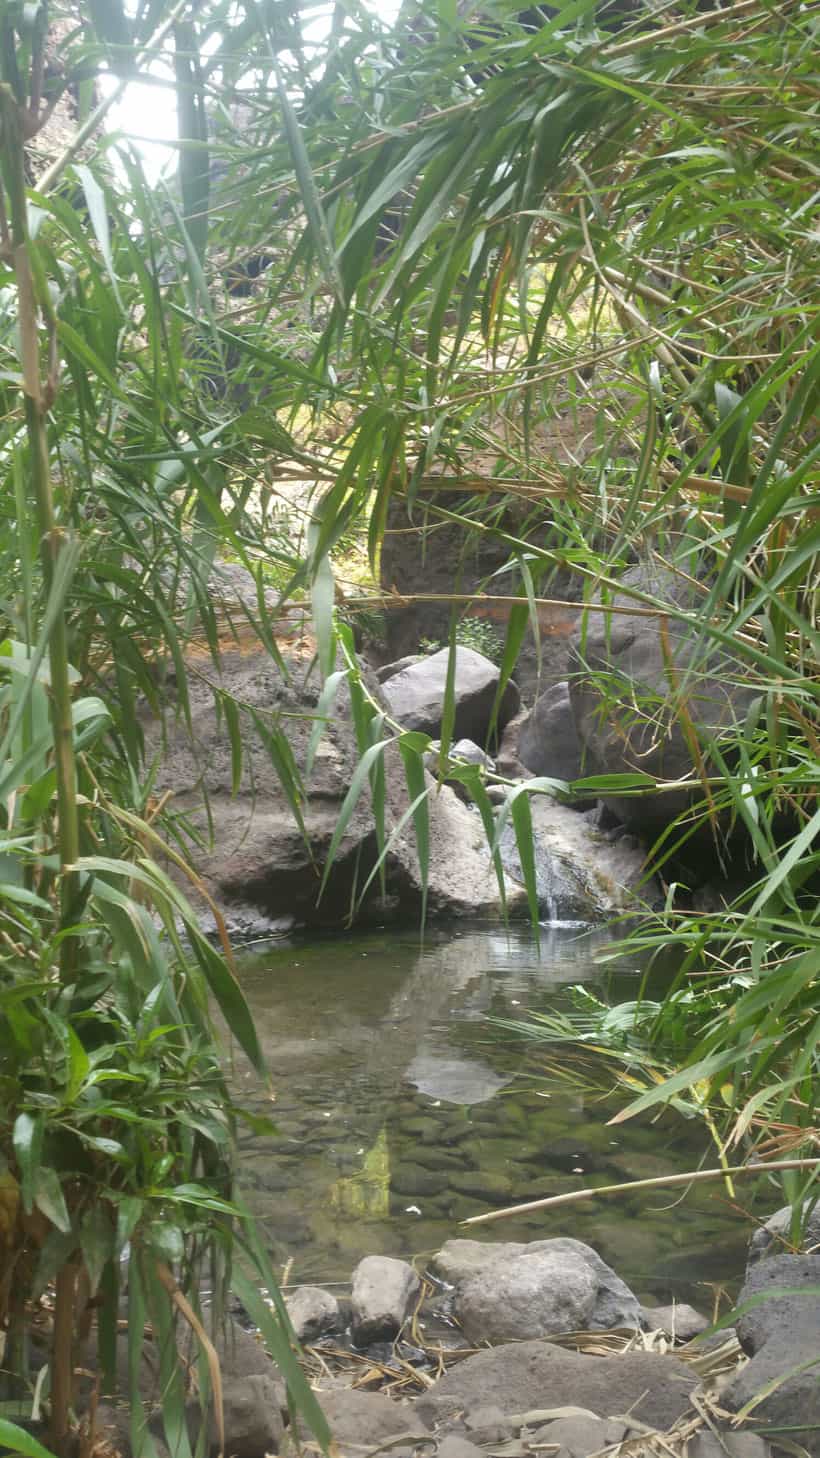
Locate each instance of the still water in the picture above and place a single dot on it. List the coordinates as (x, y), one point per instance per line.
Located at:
(400, 1111)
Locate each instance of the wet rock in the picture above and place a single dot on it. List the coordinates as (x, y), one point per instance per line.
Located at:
(679, 1322)
(460, 1262)
(411, 1179)
(416, 695)
(774, 1238)
(534, 1295)
(420, 1127)
(579, 875)
(437, 1159)
(482, 1184)
(364, 1420)
(312, 1312)
(523, 1376)
(781, 1334)
(383, 1293)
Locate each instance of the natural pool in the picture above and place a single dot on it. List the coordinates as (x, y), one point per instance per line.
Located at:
(400, 1112)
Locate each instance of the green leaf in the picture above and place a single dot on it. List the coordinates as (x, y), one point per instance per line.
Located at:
(322, 714)
(97, 1242)
(412, 752)
(78, 1065)
(361, 775)
(49, 1198)
(322, 599)
(275, 1327)
(521, 814)
(317, 223)
(17, 1440)
(129, 1213)
(98, 213)
(27, 1140)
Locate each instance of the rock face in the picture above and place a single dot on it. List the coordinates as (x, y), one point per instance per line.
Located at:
(774, 1238)
(384, 1290)
(781, 1334)
(415, 696)
(624, 671)
(548, 742)
(581, 874)
(312, 1312)
(523, 1376)
(260, 870)
(510, 1291)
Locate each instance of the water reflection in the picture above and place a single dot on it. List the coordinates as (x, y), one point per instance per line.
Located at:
(400, 1111)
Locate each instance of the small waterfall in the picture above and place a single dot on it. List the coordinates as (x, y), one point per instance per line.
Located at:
(547, 887)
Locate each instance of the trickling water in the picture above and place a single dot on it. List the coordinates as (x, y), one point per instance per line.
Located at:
(400, 1111)
(547, 869)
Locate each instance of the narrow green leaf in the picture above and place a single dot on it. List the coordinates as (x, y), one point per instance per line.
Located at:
(417, 790)
(361, 775)
(98, 213)
(17, 1440)
(521, 815)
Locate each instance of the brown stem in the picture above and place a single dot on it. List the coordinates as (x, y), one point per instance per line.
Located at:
(62, 1358)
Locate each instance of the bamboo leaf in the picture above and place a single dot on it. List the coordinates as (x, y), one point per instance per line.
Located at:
(361, 776)
(412, 748)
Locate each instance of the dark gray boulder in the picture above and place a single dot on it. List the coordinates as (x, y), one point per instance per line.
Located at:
(548, 742)
(523, 1376)
(259, 868)
(389, 670)
(359, 1421)
(384, 1290)
(782, 1335)
(312, 1311)
(253, 1423)
(415, 696)
(629, 675)
(511, 1290)
(774, 1237)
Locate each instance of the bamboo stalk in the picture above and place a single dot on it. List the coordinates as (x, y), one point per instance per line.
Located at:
(657, 1182)
(53, 538)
